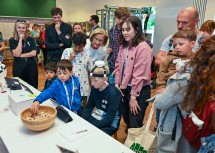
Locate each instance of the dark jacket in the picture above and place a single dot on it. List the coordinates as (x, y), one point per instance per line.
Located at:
(108, 102)
(53, 40)
(48, 83)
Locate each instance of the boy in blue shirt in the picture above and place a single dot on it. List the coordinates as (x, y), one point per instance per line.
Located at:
(50, 74)
(65, 89)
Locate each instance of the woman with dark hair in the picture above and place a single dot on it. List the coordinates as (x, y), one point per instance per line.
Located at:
(23, 49)
(133, 70)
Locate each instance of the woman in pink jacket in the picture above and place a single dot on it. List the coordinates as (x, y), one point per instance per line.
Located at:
(133, 70)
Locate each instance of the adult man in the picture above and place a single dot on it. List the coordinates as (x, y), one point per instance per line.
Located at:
(58, 36)
(2, 46)
(187, 17)
(94, 20)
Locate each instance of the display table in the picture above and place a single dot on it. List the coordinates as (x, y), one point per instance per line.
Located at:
(15, 138)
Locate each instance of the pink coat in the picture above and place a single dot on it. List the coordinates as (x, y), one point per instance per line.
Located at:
(138, 67)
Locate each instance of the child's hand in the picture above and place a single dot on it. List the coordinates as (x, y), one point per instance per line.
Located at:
(35, 107)
(72, 55)
(159, 91)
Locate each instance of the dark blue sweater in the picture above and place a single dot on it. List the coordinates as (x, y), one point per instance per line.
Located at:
(109, 101)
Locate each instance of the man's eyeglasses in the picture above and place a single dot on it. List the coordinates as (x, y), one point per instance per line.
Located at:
(21, 21)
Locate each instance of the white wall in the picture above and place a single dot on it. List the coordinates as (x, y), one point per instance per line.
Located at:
(139, 3)
(81, 10)
(210, 13)
(165, 22)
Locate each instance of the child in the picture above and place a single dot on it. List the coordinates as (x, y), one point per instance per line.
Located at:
(82, 62)
(183, 41)
(65, 89)
(133, 72)
(103, 107)
(50, 74)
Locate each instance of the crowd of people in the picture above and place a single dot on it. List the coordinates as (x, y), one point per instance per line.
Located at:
(77, 71)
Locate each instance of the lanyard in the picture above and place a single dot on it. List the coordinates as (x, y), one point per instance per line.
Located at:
(124, 63)
(67, 94)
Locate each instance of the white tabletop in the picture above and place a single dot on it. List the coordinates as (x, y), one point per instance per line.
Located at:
(18, 139)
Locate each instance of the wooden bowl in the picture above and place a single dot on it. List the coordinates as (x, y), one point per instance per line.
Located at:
(39, 125)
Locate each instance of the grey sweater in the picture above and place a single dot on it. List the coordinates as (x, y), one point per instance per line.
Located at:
(167, 102)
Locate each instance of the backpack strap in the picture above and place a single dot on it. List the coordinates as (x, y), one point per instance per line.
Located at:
(174, 130)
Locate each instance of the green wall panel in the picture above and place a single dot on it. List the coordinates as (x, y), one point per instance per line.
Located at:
(27, 8)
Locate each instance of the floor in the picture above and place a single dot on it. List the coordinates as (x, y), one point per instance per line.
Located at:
(121, 135)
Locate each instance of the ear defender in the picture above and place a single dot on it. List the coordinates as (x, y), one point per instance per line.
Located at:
(99, 64)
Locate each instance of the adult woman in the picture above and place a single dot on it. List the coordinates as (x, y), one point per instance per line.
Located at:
(133, 72)
(77, 27)
(96, 46)
(200, 95)
(23, 49)
(196, 82)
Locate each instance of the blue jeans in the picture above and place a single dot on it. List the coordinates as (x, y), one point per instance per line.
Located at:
(208, 144)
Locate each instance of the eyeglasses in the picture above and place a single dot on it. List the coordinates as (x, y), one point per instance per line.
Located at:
(98, 40)
(21, 21)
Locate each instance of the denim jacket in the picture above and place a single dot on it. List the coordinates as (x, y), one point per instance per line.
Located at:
(208, 144)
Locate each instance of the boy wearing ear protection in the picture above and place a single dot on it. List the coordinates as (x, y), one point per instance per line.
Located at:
(103, 108)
